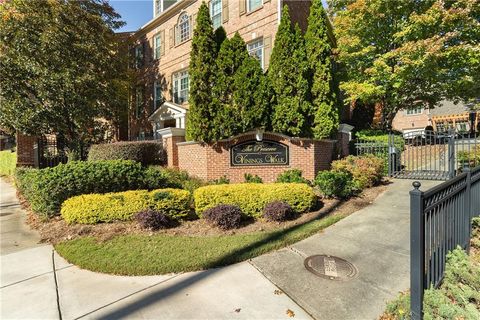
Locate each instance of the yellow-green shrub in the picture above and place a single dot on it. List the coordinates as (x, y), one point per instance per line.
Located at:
(367, 170)
(95, 208)
(252, 197)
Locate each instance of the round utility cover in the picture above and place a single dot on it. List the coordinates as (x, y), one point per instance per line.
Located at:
(330, 267)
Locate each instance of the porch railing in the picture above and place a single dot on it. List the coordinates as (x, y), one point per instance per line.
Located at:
(440, 220)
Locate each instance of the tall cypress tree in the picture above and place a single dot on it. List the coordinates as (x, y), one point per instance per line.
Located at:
(231, 56)
(202, 72)
(288, 75)
(319, 53)
(251, 97)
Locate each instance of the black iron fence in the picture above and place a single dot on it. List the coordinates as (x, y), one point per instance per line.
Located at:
(441, 220)
(50, 151)
(422, 154)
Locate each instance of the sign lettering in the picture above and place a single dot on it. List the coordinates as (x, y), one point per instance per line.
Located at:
(259, 153)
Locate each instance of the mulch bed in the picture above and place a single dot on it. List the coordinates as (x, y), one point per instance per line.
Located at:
(57, 230)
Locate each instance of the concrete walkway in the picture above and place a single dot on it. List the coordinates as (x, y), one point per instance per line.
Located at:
(375, 239)
(38, 284)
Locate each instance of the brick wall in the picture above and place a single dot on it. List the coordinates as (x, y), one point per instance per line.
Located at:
(261, 23)
(25, 154)
(211, 162)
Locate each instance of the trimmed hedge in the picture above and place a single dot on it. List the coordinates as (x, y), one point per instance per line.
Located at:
(145, 152)
(46, 189)
(335, 184)
(251, 198)
(366, 170)
(95, 208)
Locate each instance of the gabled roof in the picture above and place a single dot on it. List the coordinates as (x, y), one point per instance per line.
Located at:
(167, 105)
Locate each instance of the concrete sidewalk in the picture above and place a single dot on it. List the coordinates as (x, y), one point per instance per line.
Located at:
(375, 239)
(38, 284)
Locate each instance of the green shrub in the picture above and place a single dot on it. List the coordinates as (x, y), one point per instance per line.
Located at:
(8, 162)
(46, 189)
(291, 176)
(221, 180)
(95, 208)
(145, 152)
(335, 184)
(366, 170)
(179, 178)
(251, 198)
(252, 178)
(470, 157)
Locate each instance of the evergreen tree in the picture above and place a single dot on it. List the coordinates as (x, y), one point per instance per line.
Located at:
(251, 97)
(288, 75)
(200, 125)
(231, 56)
(319, 55)
(220, 36)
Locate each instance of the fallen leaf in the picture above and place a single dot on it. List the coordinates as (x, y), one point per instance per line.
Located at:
(238, 310)
(290, 313)
(278, 292)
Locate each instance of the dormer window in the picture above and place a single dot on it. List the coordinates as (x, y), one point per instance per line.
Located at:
(160, 6)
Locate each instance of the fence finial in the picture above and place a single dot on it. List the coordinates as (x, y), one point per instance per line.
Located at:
(416, 185)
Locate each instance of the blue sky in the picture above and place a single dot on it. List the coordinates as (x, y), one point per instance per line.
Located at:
(134, 12)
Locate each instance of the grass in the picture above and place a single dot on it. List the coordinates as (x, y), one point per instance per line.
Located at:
(160, 254)
(8, 162)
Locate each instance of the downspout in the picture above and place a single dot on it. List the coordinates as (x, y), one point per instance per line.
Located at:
(279, 10)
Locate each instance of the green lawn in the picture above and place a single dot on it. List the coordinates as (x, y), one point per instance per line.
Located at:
(160, 254)
(8, 161)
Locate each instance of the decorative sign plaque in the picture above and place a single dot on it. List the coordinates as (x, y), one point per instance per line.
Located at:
(259, 153)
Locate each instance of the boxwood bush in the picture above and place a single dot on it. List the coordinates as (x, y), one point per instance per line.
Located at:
(251, 198)
(122, 206)
(145, 152)
(366, 170)
(335, 184)
(46, 189)
(291, 176)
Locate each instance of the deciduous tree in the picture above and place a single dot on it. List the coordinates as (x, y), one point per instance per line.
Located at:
(58, 61)
(406, 54)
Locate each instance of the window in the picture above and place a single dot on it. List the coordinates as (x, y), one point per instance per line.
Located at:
(139, 56)
(253, 5)
(216, 13)
(255, 49)
(157, 95)
(162, 5)
(139, 102)
(180, 87)
(157, 42)
(183, 28)
(416, 110)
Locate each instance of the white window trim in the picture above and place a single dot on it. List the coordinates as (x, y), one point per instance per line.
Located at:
(262, 62)
(414, 111)
(220, 13)
(177, 82)
(157, 50)
(156, 85)
(252, 10)
(179, 30)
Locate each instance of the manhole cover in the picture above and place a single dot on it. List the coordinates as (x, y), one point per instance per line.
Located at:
(330, 267)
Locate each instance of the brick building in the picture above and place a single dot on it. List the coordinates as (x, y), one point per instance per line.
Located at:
(161, 51)
(448, 115)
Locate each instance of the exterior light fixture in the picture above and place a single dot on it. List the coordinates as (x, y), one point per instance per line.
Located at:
(259, 134)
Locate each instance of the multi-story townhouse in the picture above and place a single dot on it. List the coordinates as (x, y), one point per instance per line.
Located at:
(161, 51)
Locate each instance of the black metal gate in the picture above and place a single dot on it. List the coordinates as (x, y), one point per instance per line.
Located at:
(49, 151)
(424, 154)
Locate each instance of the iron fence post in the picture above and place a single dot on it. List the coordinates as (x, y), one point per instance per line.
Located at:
(468, 208)
(451, 156)
(417, 252)
(390, 173)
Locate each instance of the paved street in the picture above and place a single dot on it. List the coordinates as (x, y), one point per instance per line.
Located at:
(38, 284)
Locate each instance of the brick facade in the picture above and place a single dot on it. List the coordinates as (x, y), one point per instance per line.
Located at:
(211, 162)
(25, 152)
